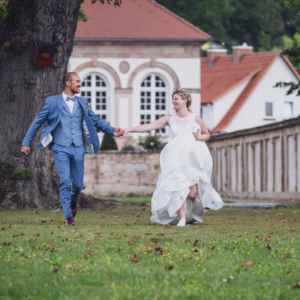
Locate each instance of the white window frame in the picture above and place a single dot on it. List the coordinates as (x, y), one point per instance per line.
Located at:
(94, 89)
(265, 108)
(153, 112)
(284, 103)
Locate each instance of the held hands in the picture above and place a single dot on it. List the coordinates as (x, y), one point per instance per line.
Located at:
(127, 130)
(118, 132)
(25, 150)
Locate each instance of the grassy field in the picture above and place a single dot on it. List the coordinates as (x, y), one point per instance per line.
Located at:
(120, 254)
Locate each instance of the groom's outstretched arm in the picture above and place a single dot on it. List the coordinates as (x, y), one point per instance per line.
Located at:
(103, 126)
(35, 126)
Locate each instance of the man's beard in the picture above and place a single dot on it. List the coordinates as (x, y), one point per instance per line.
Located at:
(74, 92)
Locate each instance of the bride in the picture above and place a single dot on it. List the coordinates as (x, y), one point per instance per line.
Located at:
(183, 190)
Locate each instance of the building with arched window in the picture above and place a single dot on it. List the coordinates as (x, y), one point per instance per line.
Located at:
(129, 69)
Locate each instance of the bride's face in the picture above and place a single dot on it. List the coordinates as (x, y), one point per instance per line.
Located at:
(178, 102)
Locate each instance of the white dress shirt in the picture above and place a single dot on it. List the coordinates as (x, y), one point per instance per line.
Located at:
(70, 104)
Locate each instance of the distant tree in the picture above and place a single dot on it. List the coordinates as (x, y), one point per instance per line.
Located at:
(292, 48)
(258, 23)
(108, 143)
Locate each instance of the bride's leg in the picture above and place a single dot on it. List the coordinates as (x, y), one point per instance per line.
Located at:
(193, 193)
(182, 211)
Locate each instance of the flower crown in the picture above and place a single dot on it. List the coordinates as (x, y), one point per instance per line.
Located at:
(180, 90)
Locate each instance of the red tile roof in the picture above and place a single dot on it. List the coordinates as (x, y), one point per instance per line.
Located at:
(135, 19)
(223, 76)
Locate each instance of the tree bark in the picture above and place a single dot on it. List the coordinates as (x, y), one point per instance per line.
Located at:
(24, 88)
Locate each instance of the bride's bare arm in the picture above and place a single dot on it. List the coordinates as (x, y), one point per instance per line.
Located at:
(204, 131)
(160, 123)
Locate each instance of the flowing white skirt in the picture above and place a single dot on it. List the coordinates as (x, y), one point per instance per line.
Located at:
(184, 162)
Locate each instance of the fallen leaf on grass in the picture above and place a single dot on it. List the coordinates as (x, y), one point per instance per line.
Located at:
(239, 235)
(146, 245)
(187, 241)
(114, 215)
(112, 233)
(18, 234)
(127, 224)
(119, 250)
(7, 243)
(87, 254)
(51, 242)
(268, 247)
(37, 212)
(125, 235)
(43, 221)
(32, 240)
(211, 248)
(175, 241)
(51, 220)
(55, 270)
(166, 226)
(230, 223)
(3, 228)
(268, 238)
(25, 256)
(176, 232)
(73, 231)
(257, 236)
(249, 264)
(51, 232)
(169, 268)
(36, 234)
(289, 272)
(196, 243)
(98, 237)
(160, 234)
(148, 233)
(232, 218)
(134, 259)
(287, 255)
(69, 266)
(158, 250)
(154, 239)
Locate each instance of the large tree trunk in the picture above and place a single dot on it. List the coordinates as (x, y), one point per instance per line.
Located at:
(24, 88)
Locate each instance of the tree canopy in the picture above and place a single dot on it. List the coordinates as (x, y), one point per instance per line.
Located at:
(261, 24)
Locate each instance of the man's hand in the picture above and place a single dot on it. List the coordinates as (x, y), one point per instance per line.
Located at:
(25, 150)
(118, 132)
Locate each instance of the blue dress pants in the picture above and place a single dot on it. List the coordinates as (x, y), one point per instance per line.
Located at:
(69, 163)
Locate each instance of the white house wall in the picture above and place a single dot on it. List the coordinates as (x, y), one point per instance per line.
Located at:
(222, 105)
(252, 113)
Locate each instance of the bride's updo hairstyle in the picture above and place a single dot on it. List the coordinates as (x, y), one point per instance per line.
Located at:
(184, 95)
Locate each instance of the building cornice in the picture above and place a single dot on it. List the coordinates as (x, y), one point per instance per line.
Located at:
(143, 40)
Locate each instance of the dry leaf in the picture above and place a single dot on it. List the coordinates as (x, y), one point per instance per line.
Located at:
(249, 264)
(268, 247)
(7, 243)
(37, 212)
(73, 231)
(160, 234)
(3, 228)
(51, 232)
(55, 270)
(230, 223)
(98, 237)
(196, 243)
(87, 254)
(16, 235)
(232, 218)
(169, 268)
(158, 250)
(69, 266)
(175, 241)
(211, 248)
(287, 255)
(25, 256)
(239, 235)
(114, 215)
(296, 285)
(187, 241)
(127, 224)
(43, 221)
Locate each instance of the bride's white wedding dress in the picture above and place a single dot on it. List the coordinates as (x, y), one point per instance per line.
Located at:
(184, 162)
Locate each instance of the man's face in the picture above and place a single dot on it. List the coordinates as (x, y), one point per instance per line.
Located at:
(75, 84)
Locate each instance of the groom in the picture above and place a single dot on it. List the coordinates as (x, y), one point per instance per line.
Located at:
(70, 133)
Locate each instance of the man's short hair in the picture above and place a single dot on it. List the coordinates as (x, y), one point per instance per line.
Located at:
(68, 77)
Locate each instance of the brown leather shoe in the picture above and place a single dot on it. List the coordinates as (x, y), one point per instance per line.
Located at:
(69, 222)
(74, 208)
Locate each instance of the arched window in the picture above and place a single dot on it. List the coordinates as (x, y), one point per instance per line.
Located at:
(153, 99)
(95, 90)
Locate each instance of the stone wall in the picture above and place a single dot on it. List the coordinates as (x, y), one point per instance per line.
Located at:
(120, 173)
(261, 162)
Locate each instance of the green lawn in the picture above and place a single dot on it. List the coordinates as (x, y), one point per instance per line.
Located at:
(142, 199)
(120, 254)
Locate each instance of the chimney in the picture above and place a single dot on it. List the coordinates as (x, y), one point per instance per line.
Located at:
(239, 51)
(213, 54)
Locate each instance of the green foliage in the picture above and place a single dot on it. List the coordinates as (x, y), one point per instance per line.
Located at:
(3, 10)
(258, 23)
(108, 143)
(150, 142)
(123, 258)
(83, 17)
(129, 144)
(22, 174)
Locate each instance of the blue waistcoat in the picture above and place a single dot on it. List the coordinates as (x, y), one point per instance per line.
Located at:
(69, 129)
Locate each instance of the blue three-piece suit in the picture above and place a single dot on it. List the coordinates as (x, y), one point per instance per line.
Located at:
(69, 135)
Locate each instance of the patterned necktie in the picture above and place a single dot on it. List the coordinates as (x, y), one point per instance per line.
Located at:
(70, 99)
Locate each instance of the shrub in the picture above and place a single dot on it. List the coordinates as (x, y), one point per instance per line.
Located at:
(129, 144)
(22, 173)
(150, 142)
(108, 143)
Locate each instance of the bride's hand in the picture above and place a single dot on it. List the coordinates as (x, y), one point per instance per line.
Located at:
(196, 135)
(127, 130)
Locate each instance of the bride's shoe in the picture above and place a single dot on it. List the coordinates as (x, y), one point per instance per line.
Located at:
(181, 223)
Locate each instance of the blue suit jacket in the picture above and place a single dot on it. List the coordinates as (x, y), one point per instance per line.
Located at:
(52, 112)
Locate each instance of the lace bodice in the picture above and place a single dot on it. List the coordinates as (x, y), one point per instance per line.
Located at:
(177, 124)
